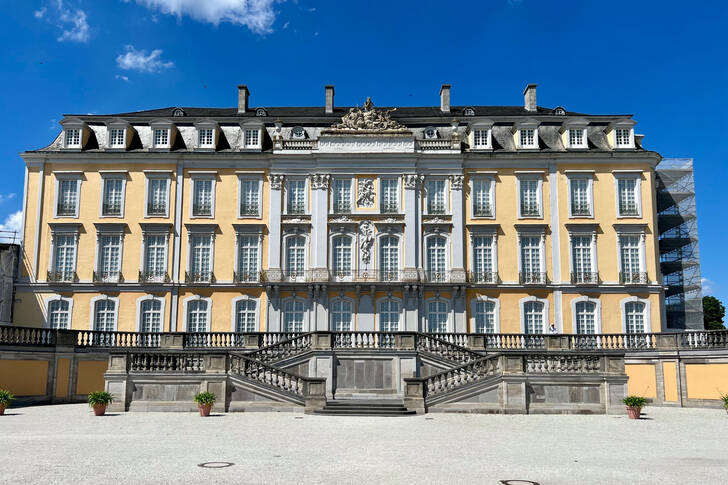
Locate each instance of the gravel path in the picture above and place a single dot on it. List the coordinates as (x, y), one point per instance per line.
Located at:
(67, 444)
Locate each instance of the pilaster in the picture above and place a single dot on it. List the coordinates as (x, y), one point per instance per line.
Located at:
(319, 221)
(411, 214)
(274, 223)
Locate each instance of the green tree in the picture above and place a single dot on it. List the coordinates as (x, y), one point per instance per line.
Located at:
(713, 313)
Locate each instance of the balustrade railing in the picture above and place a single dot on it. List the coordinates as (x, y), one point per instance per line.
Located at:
(299, 144)
(633, 278)
(561, 364)
(514, 341)
(460, 376)
(185, 362)
(246, 276)
(199, 277)
(433, 344)
(107, 276)
(532, 278)
(483, 277)
(613, 341)
(267, 374)
(585, 278)
(62, 276)
(363, 340)
(704, 339)
(101, 338)
(153, 277)
(27, 336)
(434, 145)
(294, 345)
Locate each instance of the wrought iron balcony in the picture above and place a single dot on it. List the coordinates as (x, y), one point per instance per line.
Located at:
(585, 278)
(532, 278)
(62, 276)
(529, 209)
(107, 276)
(301, 276)
(111, 209)
(296, 208)
(153, 277)
(64, 209)
(633, 278)
(246, 276)
(578, 209)
(249, 210)
(156, 209)
(437, 276)
(202, 210)
(340, 274)
(483, 277)
(199, 277)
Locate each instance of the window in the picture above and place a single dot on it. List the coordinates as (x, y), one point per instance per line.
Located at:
(157, 196)
(206, 138)
(437, 315)
(161, 138)
(435, 191)
(484, 314)
(436, 259)
(155, 258)
(585, 317)
(73, 138)
(629, 251)
(577, 138)
(389, 195)
(468, 112)
(247, 258)
(623, 138)
(150, 316)
(581, 254)
(628, 196)
(483, 268)
(388, 315)
(113, 199)
(298, 133)
(105, 315)
(64, 258)
(341, 315)
(109, 264)
(249, 197)
(59, 314)
(296, 196)
(200, 258)
(481, 138)
(117, 138)
(580, 195)
(197, 316)
(527, 138)
(389, 258)
(202, 197)
(252, 138)
(531, 271)
(341, 256)
(634, 316)
(482, 197)
(293, 312)
(295, 256)
(68, 195)
(533, 320)
(341, 196)
(530, 197)
(245, 316)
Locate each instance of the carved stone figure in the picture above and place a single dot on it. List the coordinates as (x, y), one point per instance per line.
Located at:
(366, 240)
(410, 180)
(456, 182)
(276, 182)
(365, 193)
(320, 181)
(368, 119)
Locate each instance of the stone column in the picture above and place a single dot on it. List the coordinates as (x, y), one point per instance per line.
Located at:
(274, 229)
(457, 274)
(319, 226)
(411, 236)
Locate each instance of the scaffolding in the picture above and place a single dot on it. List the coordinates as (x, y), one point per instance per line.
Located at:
(677, 224)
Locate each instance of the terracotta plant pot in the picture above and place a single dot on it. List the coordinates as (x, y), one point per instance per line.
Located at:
(205, 409)
(2, 409)
(99, 409)
(634, 413)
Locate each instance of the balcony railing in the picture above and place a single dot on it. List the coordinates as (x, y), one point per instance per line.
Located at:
(584, 278)
(157, 209)
(62, 276)
(436, 276)
(580, 209)
(297, 276)
(153, 277)
(530, 210)
(295, 208)
(633, 278)
(111, 209)
(66, 209)
(342, 207)
(201, 210)
(388, 208)
(532, 278)
(483, 277)
(435, 144)
(249, 210)
(299, 144)
(107, 276)
(246, 276)
(482, 211)
(199, 277)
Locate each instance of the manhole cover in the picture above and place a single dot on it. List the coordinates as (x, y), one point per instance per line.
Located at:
(518, 482)
(216, 464)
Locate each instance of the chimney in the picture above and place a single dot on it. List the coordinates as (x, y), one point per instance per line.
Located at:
(445, 98)
(529, 97)
(243, 95)
(329, 99)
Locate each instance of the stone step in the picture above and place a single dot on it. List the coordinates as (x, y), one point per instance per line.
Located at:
(364, 408)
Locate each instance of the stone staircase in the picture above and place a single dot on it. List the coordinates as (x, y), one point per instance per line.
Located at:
(365, 407)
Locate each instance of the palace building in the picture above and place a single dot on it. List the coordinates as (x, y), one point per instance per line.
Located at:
(445, 219)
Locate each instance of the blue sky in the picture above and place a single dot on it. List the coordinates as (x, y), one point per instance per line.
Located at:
(663, 61)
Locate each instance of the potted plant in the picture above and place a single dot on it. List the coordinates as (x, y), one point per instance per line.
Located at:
(99, 400)
(204, 401)
(723, 397)
(634, 405)
(5, 398)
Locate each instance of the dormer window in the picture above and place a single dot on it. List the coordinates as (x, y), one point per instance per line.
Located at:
(298, 133)
(620, 133)
(622, 138)
(576, 138)
(117, 138)
(559, 111)
(468, 112)
(161, 138)
(206, 138)
(528, 138)
(73, 138)
(430, 133)
(261, 112)
(481, 138)
(252, 135)
(252, 138)
(526, 134)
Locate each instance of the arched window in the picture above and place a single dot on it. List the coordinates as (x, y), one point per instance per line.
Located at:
(469, 112)
(59, 314)
(634, 315)
(341, 257)
(342, 311)
(295, 256)
(533, 317)
(436, 258)
(585, 317)
(197, 316)
(245, 320)
(104, 315)
(388, 315)
(150, 316)
(484, 314)
(437, 316)
(389, 258)
(293, 312)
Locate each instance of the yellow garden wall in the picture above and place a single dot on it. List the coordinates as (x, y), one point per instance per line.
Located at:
(642, 381)
(24, 377)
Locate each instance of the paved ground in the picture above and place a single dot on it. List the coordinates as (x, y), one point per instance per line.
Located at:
(67, 444)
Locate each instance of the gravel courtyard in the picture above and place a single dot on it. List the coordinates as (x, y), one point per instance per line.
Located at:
(67, 444)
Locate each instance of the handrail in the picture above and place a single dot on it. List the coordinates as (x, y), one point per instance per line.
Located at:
(289, 347)
(267, 374)
(433, 344)
(363, 340)
(462, 375)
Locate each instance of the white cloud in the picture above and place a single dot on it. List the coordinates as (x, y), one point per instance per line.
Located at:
(139, 60)
(285, 26)
(257, 15)
(4, 197)
(71, 20)
(40, 13)
(312, 9)
(13, 223)
(123, 78)
(707, 286)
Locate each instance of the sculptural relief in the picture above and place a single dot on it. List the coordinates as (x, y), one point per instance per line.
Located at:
(366, 240)
(368, 119)
(365, 193)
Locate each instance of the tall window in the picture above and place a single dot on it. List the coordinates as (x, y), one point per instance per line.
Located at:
(581, 253)
(150, 318)
(207, 137)
(481, 139)
(293, 312)
(248, 258)
(245, 316)
(436, 259)
(484, 313)
(161, 137)
(341, 315)
(202, 197)
(533, 317)
(389, 200)
(388, 315)
(157, 197)
(252, 138)
(249, 197)
(629, 249)
(389, 258)
(622, 137)
(109, 257)
(580, 205)
(104, 315)
(482, 197)
(59, 314)
(342, 196)
(201, 257)
(585, 317)
(436, 316)
(117, 137)
(634, 314)
(295, 256)
(113, 197)
(528, 138)
(483, 271)
(64, 258)
(296, 194)
(628, 196)
(197, 316)
(576, 138)
(155, 257)
(67, 198)
(530, 203)
(436, 197)
(341, 256)
(531, 259)
(73, 138)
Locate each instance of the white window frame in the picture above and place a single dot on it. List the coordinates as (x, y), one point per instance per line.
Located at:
(647, 315)
(206, 125)
(70, 230)
(243, 231)
(47, 314)
(353, 253)
(94, 300)
(106, 176)
(637, 176)
(378, 256)
(527, 125)
(493, 234)
(66, 131)
(306, 249)
(482, 126)
(633, 231)
(234, 317)
(305, 194)
(398, 185)
(332, 195)
(143, 262)
(491, 195)
(400, 314)
(194, 179)
(157, 175)
(254, 126)
(101, 232)
(630, 142)
(164, 126)
(342, 299)
(539, 194)
(139, 302)
(546, 323)
(540, 233)
(70, 176)
(448, 255)
(111, 128)
(304, 323)
(208, 311)
(200, 232)
(251, 178)
(589, 194)
(597, 313)
(584, 139)
(590, 233)
(448, 312)
(496, 313)
(446, 194)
